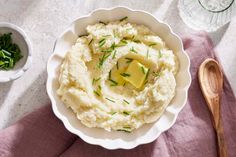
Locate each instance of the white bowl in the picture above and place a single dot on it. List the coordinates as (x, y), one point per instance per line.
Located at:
(21, 39)
(115, 139)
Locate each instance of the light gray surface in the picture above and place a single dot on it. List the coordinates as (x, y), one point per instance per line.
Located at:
(44, 20)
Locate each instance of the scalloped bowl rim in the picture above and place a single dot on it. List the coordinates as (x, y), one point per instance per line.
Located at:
(126, 145)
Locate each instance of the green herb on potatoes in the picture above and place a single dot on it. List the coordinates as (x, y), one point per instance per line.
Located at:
(10, 52)
(124, 18)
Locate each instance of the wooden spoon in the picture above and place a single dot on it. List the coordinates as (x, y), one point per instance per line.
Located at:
(211, 83)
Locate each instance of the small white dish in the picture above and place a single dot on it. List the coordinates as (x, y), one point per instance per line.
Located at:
(22, 40)
(115, 139)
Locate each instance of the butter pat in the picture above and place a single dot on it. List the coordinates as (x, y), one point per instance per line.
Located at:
(136, 74)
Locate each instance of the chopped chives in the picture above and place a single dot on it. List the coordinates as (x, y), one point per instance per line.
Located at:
(124, 18)
(147, 74)
(117, 65)
(160, 54)
(113, 113)
(143, 70)
(90, 41)
(127, 131)
(110, 100)
(114, 83)
(108, 50)
(95, 80)
(126, 113)
(95, 92)
(126, 101)
(124, 41)
(133, 50)
(114, 54)
(125, 74)
(152, 44)
(126, 127)
(101, 42)
(137, 41)
(102, 22)
(109, 74)
(128, 60)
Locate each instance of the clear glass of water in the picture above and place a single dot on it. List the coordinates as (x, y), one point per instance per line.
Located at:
(208, 15)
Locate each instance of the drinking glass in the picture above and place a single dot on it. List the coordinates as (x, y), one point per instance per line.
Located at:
(208, 15)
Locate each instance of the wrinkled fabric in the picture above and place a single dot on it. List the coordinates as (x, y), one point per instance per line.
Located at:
(41, 134)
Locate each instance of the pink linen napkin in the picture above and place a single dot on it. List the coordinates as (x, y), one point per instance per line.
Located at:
(41, 134)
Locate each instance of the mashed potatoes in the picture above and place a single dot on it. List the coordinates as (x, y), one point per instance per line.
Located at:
(118, 77)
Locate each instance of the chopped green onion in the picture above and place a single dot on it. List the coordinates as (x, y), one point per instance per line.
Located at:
(124, 18)
(125, 102)
(113, 113)
(117, 65)
(152, 44)
(126, 113)
(109, 74)
(110, 100)
(102, 22)
(114, 55)
(127, 131)
(108, 50)
(101, 42)
(125, 74)
(137, 41)
(114, 83)
(90, 41)
(133, 50)
(95, 80)
(160, 54)
(83, 35)
(128, 60)
(147, 74)
(95, 92)
(143, 70)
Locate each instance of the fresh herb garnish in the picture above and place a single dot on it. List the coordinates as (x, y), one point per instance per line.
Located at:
(95, 80)
(126, 127)
(108, 50)
(83, 35)
(125, 102)
(101, 42)
(137, 41)
(109, 76)
(124, 18)
(10, 53)
(129, 60)
(102, 22)
(125, 74)
(90, 41)
(114, 55)
(160, 54)
(110, 100)
(133, 50)
(127, 131)
(126, 113)
(95, 92)
(117, 65)
(143, 70)
(152, 44)
(113, 113)
(147, 74)
(114, 83)
(124, 41)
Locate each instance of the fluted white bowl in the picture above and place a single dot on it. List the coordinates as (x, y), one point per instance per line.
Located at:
(115, 139)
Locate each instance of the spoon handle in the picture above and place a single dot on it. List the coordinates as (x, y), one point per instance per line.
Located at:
(222, 148)
(214, 106)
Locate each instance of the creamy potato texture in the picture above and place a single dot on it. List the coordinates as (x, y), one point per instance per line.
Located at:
(118, 77)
